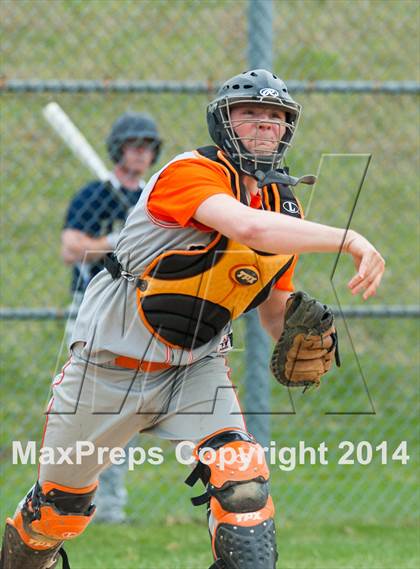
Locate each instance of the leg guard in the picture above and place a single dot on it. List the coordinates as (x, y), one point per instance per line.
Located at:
(49, 515)
(232, 466)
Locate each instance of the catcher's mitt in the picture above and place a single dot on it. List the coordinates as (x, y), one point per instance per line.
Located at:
(308, 344)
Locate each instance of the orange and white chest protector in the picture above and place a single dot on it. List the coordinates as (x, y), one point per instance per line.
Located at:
(186, 297)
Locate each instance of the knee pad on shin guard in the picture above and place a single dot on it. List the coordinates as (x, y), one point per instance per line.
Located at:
(232, 466)
(52, 513)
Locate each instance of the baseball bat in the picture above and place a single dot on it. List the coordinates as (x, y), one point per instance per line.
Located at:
(81, 148)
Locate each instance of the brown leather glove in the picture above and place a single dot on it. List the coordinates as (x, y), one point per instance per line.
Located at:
(308, 345)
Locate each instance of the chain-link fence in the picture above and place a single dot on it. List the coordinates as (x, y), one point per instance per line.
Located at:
(96, 49)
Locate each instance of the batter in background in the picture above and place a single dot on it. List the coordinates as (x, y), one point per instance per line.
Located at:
(209, 239)
(93, 222)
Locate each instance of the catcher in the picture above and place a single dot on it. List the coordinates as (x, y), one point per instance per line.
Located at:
(215, 233)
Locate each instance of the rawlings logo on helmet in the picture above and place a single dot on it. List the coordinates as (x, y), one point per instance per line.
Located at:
(269, 92)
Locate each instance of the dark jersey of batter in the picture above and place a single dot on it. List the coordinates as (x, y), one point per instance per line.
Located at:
(97, 210)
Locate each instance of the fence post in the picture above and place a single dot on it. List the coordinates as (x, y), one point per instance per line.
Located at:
(257, 382)
(260, 34)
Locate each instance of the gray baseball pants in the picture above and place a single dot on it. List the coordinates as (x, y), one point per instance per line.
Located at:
(106, 405)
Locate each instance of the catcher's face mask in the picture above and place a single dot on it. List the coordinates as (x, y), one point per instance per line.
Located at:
(255, 90)
(257, 132)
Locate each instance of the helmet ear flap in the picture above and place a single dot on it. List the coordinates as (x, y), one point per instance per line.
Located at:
(215, 126)
(114, 148)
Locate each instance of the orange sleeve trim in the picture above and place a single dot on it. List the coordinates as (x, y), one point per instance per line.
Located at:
(182, 187)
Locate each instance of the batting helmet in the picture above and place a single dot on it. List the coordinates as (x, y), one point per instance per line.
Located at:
(132, 126)
(255, 86)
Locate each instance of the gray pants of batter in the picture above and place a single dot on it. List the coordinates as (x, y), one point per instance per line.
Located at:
(107, 405)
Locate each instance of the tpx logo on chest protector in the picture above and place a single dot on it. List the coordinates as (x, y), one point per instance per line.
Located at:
(245, 276)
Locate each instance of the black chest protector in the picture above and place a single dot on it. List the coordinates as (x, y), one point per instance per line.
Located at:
(186, 297)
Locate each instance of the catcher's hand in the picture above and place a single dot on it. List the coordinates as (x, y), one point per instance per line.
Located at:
(307, 347)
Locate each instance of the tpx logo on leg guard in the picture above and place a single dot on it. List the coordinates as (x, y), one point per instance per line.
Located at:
(248, 517)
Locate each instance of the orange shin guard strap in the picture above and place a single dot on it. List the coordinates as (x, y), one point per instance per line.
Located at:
(48, 486)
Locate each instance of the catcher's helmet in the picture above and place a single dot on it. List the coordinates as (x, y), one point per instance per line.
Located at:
(255, 86)
(132, 126)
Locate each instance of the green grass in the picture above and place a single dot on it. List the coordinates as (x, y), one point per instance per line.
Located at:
(300, 546)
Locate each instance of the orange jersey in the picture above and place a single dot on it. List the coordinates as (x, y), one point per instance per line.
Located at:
(184, 185)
